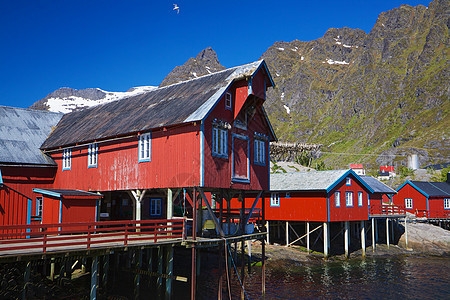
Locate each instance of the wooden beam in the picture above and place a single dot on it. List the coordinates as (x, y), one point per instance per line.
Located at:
(253, 207)
(211, 213)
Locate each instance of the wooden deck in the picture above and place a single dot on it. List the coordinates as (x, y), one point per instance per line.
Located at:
(387, 211)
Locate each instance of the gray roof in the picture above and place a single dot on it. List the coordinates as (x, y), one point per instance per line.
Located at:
(179, 103)
(306, 181)
(432, 189)
(377, 185)
(22, 132)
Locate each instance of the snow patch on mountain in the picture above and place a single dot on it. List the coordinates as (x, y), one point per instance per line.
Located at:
(70, 103)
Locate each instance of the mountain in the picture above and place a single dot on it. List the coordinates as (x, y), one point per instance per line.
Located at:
(206, 62)
(374, 98)
(66, 99)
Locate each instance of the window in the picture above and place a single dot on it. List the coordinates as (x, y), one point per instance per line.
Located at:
(260, 152)
(228, 100)
(348, 181)
(348, 199)
(92, 155)
(67, 159)
(337, 199)
(39, 201)
(144, 147)
(155, 206)
(360, 198)
(220, 142)
(275, 199)
(408, 202)
(446, 203)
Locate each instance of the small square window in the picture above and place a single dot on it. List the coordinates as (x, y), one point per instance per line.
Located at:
(220, 142)
(408, 203)
(155, 206)
(337, 199)
(348, 181)
(228, 100)
(260, 152)
(275, 199)
(39, 203)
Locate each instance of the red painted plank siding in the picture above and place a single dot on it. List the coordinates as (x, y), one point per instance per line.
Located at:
(408, 191)
(78, 210)
(353, 213)
(259, 85)
(301, 206)
(175, 162)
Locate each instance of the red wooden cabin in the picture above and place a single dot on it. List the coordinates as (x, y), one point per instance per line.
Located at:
(22, 165)
(382, 194)
(323, 196)
(424, 198)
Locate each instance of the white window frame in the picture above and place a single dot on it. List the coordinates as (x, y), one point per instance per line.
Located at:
(408, 203)
(67, 159)
(360, 199)
(446, 203)
(275, 199)
(349, 199)
(348, 181)
(92, 155)
(337, 199)
(260, 152)
(219, 142)
(39, 206)
(155, 207)
(145, 147)
(228, 100)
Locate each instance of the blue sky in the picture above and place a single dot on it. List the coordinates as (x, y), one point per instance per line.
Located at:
(118, 44)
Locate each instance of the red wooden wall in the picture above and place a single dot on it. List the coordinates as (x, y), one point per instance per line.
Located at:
(355, 212)
(408, 191)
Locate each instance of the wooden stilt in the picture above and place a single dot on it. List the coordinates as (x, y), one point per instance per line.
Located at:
(193, 272)
(373, 235)
(220, 285)
(159, 280)
(406, 232)
(249, 256)
(243, 270)
(307, 237)
(387, 232)
(52, 269)
(105, 271)
(263, 251)
(26, 279)
(363, 238)
(169, 271)
(94, 279)
(137, 276)
(346, 238)
(268, 232)
(287, 233)
(326, 239)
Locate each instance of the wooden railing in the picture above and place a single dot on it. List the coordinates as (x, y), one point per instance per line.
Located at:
(387, 210)
(42, 238)
(432, 214)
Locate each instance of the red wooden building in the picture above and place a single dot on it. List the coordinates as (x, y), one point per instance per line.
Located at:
(425, 198)
(22, 165)
(382, 194)
(326, 197)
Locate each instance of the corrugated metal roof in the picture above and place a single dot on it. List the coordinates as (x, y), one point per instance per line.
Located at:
(305, 181)
(433, 189)
(377, 185)
(22, 132)
(183, 102)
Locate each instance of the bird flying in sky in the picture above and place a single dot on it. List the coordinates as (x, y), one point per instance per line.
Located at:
(175, 7)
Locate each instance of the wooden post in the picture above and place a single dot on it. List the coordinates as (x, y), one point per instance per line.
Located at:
(263, 251)
(220, 287)
(346, 238)
(26, 278)
(52, 269)
(169, 209)
(363, 238)
(194, 254)
(268, 232)
(137, 277)
(406, 231)
(105, 271)
(326, 239)
(287, 233)
(159, 280)
(243, 270)
(387, 232)
(169, 271)
(373, 235)
(307, 237)
(94, 280)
